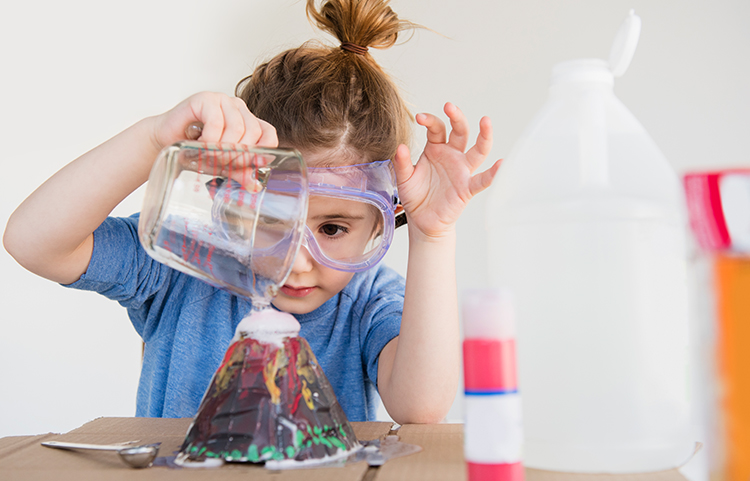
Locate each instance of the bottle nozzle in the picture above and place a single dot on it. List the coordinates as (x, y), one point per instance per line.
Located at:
(623, 47)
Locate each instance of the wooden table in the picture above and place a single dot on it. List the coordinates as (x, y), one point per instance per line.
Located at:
(441, 458)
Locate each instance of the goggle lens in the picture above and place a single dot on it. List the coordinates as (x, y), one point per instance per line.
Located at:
(350, 220)
(346, 231)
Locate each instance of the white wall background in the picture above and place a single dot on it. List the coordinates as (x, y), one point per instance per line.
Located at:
(75, 73)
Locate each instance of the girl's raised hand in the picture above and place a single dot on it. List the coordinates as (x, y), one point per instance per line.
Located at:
(224, 119)
(435, 191)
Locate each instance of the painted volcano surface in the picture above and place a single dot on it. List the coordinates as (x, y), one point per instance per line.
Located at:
(268, 401)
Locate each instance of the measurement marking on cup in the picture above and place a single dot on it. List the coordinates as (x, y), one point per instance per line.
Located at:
(208, 258)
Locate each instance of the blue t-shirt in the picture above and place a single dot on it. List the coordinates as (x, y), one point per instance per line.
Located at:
(187, 325)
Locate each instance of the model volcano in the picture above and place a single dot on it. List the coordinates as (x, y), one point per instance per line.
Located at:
(268, 401)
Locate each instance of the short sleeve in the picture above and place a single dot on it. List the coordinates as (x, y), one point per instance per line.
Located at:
(119, 268)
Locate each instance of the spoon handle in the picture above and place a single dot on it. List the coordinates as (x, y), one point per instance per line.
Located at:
(99, 447)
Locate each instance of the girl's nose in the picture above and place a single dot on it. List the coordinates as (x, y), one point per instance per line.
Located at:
(303, 262)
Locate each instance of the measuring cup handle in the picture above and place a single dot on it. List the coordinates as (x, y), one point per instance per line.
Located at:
(194, 130)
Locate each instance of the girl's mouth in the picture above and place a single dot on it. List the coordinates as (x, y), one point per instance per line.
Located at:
(296, 291)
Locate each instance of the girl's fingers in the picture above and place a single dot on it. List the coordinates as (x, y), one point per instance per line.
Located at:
(459, 136)
(234, 121)
(256, 131)
(402, 164)
(483, 145)
(268, 136)
(206, 107)
(435, 128)
(227, 119)
(483, 180)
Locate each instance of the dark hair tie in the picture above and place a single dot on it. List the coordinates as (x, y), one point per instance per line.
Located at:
(354, 48)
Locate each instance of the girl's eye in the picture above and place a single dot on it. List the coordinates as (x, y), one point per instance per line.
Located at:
(268, 220)
(332, 230)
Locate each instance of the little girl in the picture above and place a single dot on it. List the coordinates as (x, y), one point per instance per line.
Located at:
(371, 331)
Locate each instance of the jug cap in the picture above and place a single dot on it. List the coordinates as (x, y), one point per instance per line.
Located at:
(623, 47)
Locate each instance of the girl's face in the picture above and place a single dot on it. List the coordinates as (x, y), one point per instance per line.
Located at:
(338, 226)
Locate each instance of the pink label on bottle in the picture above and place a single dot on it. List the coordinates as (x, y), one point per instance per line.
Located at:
(490, 366)
(495, 472)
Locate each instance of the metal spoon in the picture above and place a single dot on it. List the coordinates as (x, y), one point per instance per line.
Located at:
(135, 456)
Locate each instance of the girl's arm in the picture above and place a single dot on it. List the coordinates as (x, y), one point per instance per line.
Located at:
(51, 232)
(418, 372)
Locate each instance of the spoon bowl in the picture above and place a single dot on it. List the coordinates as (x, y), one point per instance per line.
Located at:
(139, 456)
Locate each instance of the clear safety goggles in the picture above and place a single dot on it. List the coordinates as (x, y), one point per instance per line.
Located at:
(351, 215)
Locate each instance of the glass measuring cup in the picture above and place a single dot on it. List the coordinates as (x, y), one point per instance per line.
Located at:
(228, 214)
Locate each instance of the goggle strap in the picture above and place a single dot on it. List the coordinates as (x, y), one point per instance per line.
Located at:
(400, 219)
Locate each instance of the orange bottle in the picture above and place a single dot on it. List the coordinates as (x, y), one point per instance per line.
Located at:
(732, 294)
(719, 208)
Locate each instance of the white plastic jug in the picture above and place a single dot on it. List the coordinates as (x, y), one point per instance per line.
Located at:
(587, 229)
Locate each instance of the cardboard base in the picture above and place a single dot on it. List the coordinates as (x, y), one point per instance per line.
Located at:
(23, 458)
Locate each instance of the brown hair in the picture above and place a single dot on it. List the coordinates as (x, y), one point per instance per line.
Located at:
(321, 97)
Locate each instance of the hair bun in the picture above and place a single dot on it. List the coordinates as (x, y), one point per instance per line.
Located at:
(366, 23)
